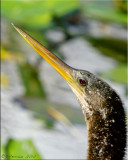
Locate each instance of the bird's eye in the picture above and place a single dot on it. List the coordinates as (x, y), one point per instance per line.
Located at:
(82, 82)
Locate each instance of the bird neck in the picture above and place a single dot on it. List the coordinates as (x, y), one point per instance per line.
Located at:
(106, 131)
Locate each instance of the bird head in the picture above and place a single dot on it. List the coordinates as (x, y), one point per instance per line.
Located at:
(84, 84)
(90, 90)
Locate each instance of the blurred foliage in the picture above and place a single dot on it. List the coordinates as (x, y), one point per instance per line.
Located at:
(59, 116)
(121, 5)
(33, 86)
(5, 81)
(37, 14)
(19, 150)
(114, 48)
(41, 13)
(103, 11)
(10, 55)
(5, 55)
(118, 74)
(41, 107)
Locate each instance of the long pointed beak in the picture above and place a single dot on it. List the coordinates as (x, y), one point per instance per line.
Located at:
(65, 71)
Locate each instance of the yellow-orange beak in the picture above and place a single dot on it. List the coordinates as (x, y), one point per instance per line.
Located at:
(65, 71)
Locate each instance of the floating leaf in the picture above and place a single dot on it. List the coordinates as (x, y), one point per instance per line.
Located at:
(22, 149)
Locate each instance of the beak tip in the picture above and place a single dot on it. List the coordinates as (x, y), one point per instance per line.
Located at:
(19, 30)
(13, 25)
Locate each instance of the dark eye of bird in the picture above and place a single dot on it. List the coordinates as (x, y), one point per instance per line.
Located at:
(82, 82)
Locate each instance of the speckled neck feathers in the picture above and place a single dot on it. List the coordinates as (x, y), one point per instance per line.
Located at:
(106, 128)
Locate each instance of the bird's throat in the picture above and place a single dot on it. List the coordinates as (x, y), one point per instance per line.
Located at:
(106, 127)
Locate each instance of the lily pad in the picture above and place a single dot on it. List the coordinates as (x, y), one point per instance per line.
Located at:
(22, 149)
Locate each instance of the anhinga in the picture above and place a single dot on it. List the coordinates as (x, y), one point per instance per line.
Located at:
(101, 106)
